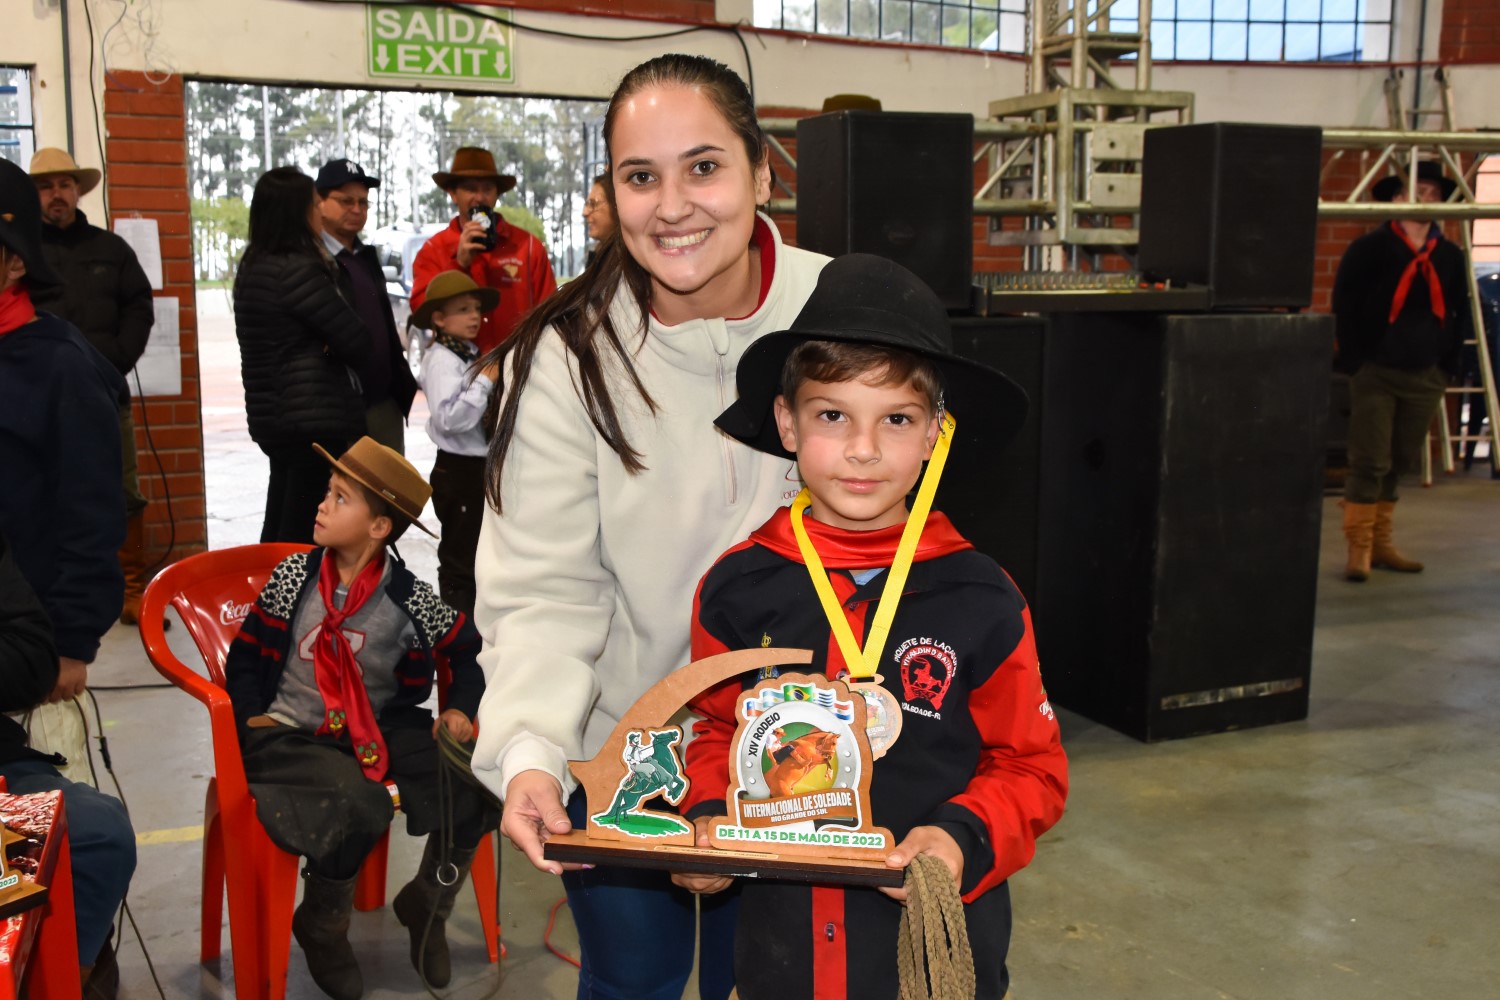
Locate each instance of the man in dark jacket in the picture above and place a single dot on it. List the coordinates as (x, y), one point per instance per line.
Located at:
(1401, 304)
(386, 381)
(104, 293)
(59, 445)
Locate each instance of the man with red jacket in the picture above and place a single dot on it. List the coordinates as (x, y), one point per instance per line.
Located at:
(484, 246)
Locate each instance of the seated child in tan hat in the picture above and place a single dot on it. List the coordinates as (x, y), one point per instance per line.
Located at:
(328, 677)
(457, 397)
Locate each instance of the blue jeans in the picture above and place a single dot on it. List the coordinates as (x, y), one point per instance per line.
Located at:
(636, 930)
(102, 842)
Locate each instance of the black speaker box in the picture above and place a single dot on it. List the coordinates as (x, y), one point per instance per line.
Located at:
(990, 489)
(1180, 510)
(895, 184)
(1233, 207)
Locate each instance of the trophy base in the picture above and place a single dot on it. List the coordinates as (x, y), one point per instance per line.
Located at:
(579, 848)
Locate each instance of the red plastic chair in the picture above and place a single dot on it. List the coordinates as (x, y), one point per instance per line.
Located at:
(212, 593)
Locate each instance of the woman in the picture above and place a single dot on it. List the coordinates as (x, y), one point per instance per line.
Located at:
(300, 344)
(611, 491)
(598, 216)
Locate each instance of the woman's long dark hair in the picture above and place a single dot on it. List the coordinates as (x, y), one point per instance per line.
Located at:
(579, 311)
(278, 215)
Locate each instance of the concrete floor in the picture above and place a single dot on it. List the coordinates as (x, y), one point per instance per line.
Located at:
(1347, 857)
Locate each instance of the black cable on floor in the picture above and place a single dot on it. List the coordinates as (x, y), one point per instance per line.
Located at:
(120, 792)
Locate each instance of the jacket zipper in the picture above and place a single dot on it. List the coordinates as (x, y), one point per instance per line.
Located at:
(731, 480)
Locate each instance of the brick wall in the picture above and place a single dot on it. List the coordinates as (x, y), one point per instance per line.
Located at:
(146, 174)
(1470, 32)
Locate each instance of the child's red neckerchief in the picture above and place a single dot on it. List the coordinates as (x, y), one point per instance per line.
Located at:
(16, 309)
(340, 682)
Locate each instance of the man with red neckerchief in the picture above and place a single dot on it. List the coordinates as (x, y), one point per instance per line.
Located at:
(1401, 303)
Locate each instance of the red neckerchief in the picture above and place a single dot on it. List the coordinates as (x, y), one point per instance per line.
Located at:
(15, 308)
(842, 549)
(1421, 261)
(337, 671)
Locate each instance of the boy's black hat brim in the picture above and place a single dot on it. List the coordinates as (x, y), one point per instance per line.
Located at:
(862, 299)
(21, 223)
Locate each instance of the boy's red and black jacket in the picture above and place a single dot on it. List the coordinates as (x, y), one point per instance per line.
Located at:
(979, 753)
(253, 667)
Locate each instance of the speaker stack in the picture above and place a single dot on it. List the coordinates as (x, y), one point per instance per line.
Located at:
(1234, 207)
(896, 184)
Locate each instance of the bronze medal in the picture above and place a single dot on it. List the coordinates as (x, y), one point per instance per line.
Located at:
(882, 714)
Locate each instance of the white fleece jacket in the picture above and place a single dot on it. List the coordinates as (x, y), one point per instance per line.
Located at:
(586, 581)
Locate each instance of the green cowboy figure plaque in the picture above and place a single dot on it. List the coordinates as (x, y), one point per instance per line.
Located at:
(799, 782)
(654, 769)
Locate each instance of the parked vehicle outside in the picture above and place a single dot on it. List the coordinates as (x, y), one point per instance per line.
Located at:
(397, 248)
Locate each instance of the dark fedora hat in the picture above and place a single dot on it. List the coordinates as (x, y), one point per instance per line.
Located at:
(1387, 188)
(864, 299)
(21, 222)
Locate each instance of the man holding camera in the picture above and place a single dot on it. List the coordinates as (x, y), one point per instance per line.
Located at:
(484, 246)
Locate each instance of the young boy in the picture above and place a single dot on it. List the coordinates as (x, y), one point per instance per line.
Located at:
(856, 390)
(457, 397)
(328, 676)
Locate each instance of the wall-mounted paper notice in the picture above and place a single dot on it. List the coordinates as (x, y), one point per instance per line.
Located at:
(145, 240)
(160, 368)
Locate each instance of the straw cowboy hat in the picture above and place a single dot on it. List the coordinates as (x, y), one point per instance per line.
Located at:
(384, 470)
(471, 161)
(51, 161)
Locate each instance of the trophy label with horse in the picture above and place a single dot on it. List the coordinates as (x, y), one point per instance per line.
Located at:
(800, 771)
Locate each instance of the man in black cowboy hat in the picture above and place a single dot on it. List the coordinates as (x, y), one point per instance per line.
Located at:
(384, 378)
(103, 291)
(480, 243)
(61, 513)
(1401, 304)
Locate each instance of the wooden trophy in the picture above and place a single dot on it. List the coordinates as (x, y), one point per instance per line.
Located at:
(16, 894)
(799, 782)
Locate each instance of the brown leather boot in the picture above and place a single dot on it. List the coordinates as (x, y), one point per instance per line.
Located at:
(321, 926)
(1359, 529)
(424, 905)
(1384, 554)
(133, 564)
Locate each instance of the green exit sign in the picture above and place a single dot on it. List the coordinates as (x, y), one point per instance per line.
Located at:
(439, 44)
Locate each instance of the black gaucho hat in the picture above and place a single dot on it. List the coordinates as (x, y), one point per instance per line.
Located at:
(21, 222)
(864, 299)
(1387, 188)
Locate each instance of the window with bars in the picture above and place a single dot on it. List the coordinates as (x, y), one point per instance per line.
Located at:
(1230, 30)
(17, 130)
(995, 25)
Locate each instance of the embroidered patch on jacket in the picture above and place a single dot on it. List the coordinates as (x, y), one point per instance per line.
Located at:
(928, 667)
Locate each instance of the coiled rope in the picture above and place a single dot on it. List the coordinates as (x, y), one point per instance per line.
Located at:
(933, 957)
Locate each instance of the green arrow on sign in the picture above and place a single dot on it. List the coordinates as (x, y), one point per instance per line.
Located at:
(438, 44)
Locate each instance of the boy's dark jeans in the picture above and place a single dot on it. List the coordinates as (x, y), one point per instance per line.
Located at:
(315, 801)
(458, 500)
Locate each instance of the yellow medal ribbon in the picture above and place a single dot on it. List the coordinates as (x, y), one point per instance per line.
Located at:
(863, 663)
